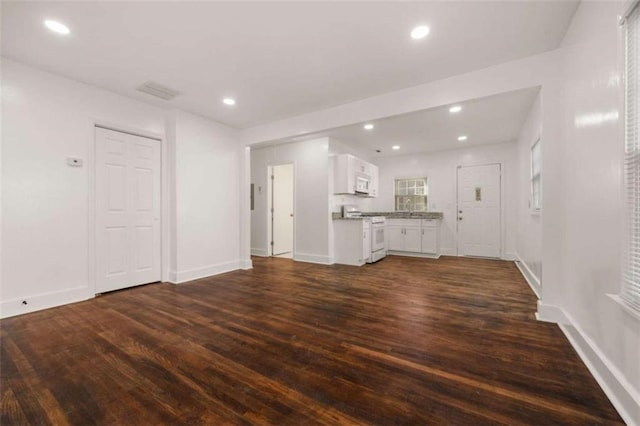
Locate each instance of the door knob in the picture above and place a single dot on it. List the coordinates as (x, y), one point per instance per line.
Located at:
(291, 215)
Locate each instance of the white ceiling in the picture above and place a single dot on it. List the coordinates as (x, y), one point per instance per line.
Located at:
(278, 59)
(489, 120)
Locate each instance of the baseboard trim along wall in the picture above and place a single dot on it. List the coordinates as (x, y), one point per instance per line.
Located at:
(259, 252)
(42, 301)
(619, 391)
(528, 275)
(550, 313)
(179, 277)
(313, 258)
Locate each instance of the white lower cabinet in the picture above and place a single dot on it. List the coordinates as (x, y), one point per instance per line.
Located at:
(352, 241)
(418, 236)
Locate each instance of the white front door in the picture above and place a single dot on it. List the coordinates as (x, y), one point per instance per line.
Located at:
(282, 226)
(128, 247)
(479, 211)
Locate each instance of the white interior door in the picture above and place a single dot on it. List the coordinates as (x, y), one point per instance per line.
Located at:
(128, 246)
(282, 227)
(479, 229)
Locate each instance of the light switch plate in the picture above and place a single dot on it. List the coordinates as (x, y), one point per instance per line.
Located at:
(74, 161)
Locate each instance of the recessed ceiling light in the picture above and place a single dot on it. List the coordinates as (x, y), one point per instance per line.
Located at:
(368, 126)
(462, 138)
(57, 27)
(455, 108)
(419, 32)
(229, 101)
(395, 147)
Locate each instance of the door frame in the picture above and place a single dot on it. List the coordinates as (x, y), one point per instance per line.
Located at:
(91, 199)
(269, 217)
(502, 205)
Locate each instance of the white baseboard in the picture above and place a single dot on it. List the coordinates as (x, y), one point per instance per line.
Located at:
(412, 254)
(509, 256)
(180, 277)
(313, 258)
(10, 308)
(259, 252)
(550, 313)
(448, 252)
(529, 276)
(619, 391)
(246, 264)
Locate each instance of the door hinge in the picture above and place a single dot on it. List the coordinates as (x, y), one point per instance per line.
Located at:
(271, 209)
(271, 243)
(272, 177)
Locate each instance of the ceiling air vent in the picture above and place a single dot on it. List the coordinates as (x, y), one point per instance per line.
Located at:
(158, 90)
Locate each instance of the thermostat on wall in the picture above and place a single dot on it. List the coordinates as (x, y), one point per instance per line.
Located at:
(74, 161)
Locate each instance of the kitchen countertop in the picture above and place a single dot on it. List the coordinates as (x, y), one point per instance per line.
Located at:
(392, 215)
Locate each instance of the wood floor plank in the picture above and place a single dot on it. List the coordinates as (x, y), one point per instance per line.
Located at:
(403, 341)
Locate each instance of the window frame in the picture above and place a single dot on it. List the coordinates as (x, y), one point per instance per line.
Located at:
(408, 179)
(629, 296)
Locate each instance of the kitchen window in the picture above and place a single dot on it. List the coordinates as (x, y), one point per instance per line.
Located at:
(411, 194)
(536, 176)
(631, 278)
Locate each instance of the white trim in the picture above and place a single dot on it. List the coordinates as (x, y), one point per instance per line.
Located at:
(179, 277)
(413, 254)
(528, 275)
(448, 252)
(620, 392)
(313, 258)
(246, 264)
(10, 308)
(550, 313)
(259, 252)
(626, 306)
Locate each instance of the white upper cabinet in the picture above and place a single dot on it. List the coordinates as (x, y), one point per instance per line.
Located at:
(353, 175)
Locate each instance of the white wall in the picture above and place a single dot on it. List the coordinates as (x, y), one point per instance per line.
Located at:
(45, 203)
(529, 223)
(206, 176)
(594, 208)
(440, 168)
(311, 205)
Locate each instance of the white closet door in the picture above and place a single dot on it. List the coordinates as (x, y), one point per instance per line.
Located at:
(128, 247)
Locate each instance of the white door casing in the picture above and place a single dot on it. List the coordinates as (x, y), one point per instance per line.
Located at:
(128, 226)
(478, 214)
(282, 227)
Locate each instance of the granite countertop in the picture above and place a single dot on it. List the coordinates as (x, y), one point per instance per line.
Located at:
(392, 215)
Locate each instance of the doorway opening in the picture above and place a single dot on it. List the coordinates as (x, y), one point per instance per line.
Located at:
(281, 209)
(479, 211)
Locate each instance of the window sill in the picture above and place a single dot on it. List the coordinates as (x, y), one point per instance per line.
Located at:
(626, 306)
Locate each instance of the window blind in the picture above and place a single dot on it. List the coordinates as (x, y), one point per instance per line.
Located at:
(631, 284)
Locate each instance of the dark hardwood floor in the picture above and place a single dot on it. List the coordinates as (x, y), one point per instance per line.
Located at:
(403, 341)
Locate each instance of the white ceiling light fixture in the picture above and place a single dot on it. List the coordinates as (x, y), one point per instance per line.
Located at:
(420, 32)
(57, 27)
(455, 108)
(395, 147)
(368, 126)
(462, 138)
(229, 101)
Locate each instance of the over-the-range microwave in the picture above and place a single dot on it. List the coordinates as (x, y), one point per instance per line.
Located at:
(362, 184)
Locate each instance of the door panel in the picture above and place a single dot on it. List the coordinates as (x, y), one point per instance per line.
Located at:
(395, 237)
(282, 209)
(479, 200)
(429, 240)
(128, 246)
(412, 240)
